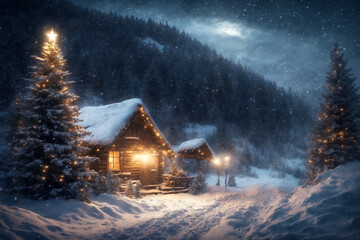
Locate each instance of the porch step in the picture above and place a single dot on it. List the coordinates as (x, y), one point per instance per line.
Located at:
(172, 188)
(186, 190)
(155, 186)
(145, 192)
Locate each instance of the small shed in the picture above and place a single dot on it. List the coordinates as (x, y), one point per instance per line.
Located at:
(197, 149)
(126, 140)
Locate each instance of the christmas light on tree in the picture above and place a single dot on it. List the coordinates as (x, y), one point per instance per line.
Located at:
(335, 136)
(47, 145)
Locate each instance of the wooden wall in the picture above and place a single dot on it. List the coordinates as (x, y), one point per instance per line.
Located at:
(138, 137)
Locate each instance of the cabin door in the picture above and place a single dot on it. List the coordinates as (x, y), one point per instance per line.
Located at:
(149, 170)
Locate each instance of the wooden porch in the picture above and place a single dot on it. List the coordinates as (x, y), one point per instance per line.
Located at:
(156, 189)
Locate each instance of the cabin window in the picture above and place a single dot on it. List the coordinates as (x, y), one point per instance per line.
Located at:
(114, 160)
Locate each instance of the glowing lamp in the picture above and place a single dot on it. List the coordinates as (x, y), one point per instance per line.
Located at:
(227, 160)
(217, 161)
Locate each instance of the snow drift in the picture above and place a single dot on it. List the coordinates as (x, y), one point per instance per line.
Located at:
(329, 210)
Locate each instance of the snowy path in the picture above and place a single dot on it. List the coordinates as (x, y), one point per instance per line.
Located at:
(209, 216)
(181, 216)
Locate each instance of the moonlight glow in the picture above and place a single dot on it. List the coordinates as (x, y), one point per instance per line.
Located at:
(228, 28)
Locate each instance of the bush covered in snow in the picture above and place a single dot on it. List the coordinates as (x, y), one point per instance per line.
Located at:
(199, 184)
(136, 190)
(106, 184)
(232, 180)
(133, 189)
(176, 178)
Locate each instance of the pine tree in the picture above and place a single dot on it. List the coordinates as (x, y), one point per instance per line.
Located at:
(46, 147)
(113, 183)
(232, 180)
(129, 188)
(335, 135)
(199, 184)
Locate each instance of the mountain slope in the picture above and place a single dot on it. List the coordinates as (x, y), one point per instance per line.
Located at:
(112, 58)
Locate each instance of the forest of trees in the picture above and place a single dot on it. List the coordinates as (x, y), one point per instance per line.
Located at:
(184, 82)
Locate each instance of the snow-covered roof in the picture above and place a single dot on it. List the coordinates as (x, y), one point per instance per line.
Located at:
(105, 122)
(191, 144)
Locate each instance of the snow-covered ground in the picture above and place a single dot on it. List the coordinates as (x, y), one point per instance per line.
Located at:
(260, 208)
(264, 178)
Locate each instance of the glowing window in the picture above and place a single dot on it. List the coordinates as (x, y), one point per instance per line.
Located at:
(114, 160)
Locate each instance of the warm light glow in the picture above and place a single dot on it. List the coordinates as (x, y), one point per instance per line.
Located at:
(114, 160)
(52, 36)
(143, 157)
(217, 161)
(227, 158)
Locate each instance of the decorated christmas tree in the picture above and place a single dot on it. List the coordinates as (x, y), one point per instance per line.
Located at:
(335, 135)
(47, 156)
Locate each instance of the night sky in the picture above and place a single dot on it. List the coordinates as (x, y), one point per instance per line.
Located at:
(286, 41)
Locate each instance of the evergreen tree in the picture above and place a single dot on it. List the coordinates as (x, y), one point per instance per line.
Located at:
(46, 147)
(335, 136)
(113, 183)
(129, 188)
(199, 184)
(232, 180)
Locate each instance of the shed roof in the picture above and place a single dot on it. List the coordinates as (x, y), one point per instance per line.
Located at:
(195, 148)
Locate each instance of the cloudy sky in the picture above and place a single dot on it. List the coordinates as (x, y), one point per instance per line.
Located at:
(286, 42)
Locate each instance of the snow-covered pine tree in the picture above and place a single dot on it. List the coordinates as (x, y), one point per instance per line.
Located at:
(177, 177)
(334, 140)
(47, 156)
(113, 183)
(129, 188)
(137, 190)
(199, 184)
(232, 180)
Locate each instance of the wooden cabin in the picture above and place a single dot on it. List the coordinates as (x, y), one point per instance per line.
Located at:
(197, 149)
(126, 140)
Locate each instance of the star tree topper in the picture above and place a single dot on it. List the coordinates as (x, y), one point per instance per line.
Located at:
(52, 36)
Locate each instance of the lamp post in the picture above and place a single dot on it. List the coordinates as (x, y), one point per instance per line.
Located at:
(217, 164)
(227, 160)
